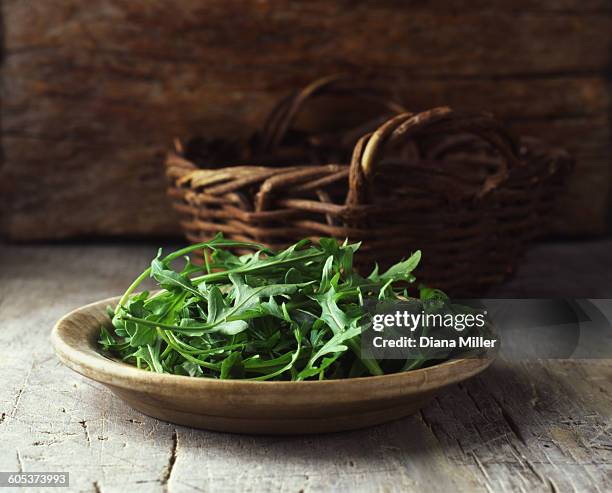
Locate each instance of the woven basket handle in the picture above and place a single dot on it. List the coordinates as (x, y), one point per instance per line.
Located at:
(284, 114)
(406, 126)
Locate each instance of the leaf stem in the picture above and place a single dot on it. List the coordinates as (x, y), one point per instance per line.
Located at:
(212, 244)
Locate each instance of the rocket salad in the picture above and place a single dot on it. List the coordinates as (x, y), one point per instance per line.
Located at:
(294, 315)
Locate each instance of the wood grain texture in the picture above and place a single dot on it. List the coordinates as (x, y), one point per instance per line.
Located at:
(541, 426)
(93, 96)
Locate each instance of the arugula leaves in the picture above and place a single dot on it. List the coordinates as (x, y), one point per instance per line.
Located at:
(296, 314)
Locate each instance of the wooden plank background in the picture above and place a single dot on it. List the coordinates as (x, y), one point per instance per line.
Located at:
(94, 92)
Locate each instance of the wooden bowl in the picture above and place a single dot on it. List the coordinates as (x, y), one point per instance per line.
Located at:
(249, 406)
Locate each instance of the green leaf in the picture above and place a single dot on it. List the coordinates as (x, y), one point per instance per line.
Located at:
(335, 346)
(331, 313)
(402, 270)
(192, 369)
(293, 276)
(231, 328)
(336, 343)
(327, 274)
(151, 356)
(170, 280)
(426, 293)
(106, 339)
(143, 336)
(232, 366)
(216, 305)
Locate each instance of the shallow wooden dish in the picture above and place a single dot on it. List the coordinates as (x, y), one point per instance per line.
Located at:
(248, 406)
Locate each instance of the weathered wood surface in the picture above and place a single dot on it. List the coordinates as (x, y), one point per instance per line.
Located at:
(94, 92)
(518, 427)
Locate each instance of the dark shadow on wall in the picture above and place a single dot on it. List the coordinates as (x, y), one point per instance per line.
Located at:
(609, 78)
(4, 201)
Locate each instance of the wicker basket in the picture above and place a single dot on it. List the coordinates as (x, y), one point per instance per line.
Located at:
(456, 185)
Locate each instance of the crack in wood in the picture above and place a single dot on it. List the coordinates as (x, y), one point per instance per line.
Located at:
(20, 391)
(96, 487)
(165, 479)
(483, 471)
(524, 460)
(86, 430)
(193, 487)
(576, 460)
(20, 467)
(512, 424)
(551, 485)
(478, 408)
(429, 426)
(505, 414)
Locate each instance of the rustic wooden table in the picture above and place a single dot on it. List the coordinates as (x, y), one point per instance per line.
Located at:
(537, 426)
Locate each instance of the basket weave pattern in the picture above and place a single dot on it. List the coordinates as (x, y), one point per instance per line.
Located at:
(457, 186)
